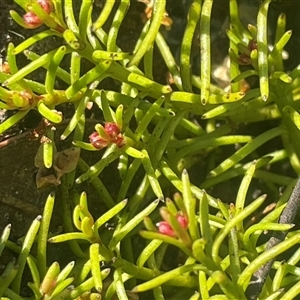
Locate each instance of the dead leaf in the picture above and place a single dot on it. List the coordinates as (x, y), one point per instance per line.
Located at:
(43, 180)
(66, 160)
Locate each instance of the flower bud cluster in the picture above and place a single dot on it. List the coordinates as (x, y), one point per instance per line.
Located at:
(112, 135)
(165, 228)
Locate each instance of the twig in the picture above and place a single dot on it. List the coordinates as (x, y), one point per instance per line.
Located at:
(23, 206)
(13, 139)
(287, 217)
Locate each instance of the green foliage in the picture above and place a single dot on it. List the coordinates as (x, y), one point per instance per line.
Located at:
(150, 130)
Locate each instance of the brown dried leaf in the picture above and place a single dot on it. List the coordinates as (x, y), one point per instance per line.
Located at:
(66, 160)
(42, 180)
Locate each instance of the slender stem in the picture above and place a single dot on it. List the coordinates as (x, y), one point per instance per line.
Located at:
(262, 46)
(205, 50)
(186, 46)
(159, 10)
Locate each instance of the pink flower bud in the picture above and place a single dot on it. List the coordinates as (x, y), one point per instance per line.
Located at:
(46, 5)
(182, 220)
(32, 20)
(112, 130)
(165, 228)
(97, 141)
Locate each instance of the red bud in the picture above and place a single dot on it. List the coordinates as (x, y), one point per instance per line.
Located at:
(32, 19)
(112, 130)
(119, 141)
(182, 220)
(46, 5)
(97, 141)
(252, 45)
(165, 228)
